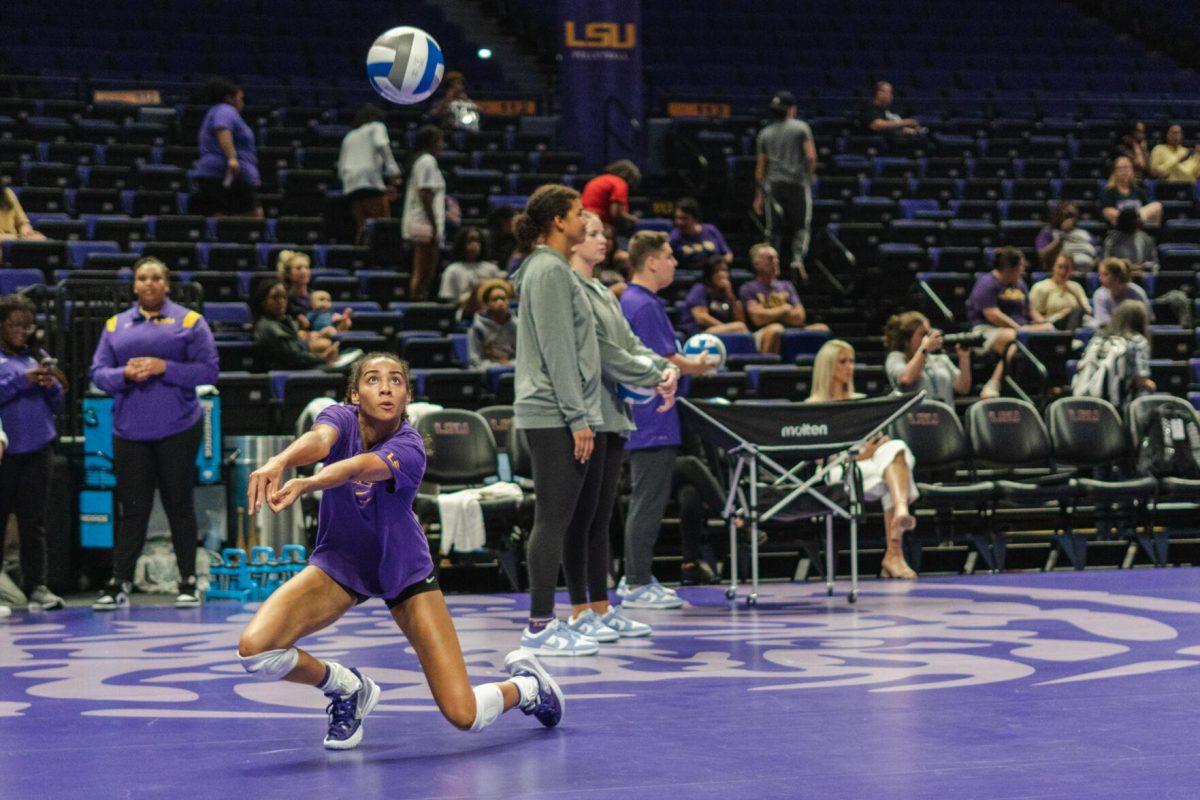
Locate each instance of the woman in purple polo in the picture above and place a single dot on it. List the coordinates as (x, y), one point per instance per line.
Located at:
(369, 544)
(151, 358)
(226, 173)
(31, 393)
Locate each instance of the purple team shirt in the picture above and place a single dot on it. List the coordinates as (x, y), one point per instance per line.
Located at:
(991, 293)
(212, 161)
(368, 538)
(165, 404)
(26, 410)
(648, 318)
(776, 294)
(692, 252)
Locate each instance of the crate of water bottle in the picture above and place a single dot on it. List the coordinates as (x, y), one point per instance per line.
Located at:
(238, 575)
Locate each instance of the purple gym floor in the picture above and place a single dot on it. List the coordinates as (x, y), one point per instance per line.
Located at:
(1062, 685)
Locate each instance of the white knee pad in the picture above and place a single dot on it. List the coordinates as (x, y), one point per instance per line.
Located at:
(272, 665)
(489, 705)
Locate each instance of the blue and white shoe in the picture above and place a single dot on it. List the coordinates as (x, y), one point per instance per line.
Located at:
(346, 714)
(651, 596)
(590, 625)
(667, 590)
(623, 587)
(556, 639)
(625, 627)
(549, 704)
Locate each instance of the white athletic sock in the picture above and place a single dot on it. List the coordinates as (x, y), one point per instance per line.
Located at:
(527, 685)
(339, 680)
(489, 705)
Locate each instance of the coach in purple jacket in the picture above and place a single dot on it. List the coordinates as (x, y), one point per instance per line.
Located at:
(151, 358)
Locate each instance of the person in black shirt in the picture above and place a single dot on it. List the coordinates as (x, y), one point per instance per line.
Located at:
(878, 116)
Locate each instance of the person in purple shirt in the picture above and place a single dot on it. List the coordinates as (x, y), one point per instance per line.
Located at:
(711, 304)
(772, 303)
(694, 242)
(227, 171)
(653, 446)
(998, 308)
(31, 393)
(151, 358)
(369, 544)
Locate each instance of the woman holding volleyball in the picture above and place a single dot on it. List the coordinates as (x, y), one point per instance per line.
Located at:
(369, 544)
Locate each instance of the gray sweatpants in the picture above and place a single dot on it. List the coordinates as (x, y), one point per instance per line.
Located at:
(650, 481)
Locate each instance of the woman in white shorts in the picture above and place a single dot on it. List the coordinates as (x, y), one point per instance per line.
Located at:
(885, 464)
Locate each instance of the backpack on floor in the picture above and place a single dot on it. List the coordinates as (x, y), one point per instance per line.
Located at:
(1104, 371)
(1171, 446)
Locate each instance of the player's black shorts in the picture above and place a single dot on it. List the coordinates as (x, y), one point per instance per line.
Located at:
(428, 584)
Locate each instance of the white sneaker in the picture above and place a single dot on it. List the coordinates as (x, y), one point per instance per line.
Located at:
(189, 595)
(556, 639)
(44, 599)
(589, 624)
(115, 595)
(623, 625)
(652, 597)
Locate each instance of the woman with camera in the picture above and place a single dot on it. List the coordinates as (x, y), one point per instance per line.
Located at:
(917, 359)
(31, 393)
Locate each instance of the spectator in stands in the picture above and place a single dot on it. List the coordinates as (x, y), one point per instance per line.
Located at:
(13, 222)
(500, 240)
(1129, 323)
(1063, 235)
(613, 271)
(492, 340)
(151, 358)
(424, 220)
(277, 335)
(455, 110)
(878, 117)
(295, 270)
(1132, 145)
(1172, 162)
(1128, 241)
(1117, 286)
(1058, 299)
(654, 445)
(227, 178)
(998, 307)
(711, 305)
(1123, 191)
(467, 271)
(786, 162)
(367, 169)
(31, 394)
(916, 359)
(885, 464)
(694, 242)
(321, 316)
(771, 302)
(607, 195)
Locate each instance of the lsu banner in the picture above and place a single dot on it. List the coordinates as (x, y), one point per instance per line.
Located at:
(600, 79)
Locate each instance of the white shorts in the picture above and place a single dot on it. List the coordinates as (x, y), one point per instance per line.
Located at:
(873, 483)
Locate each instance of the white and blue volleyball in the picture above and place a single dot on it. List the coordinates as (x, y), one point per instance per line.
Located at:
(405, 65)
(705, 344)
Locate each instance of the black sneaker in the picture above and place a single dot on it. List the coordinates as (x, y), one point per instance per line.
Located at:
(698, 574)
(114, 595)
(189, 595)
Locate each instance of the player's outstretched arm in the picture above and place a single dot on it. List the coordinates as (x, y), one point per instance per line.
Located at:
(307, 449)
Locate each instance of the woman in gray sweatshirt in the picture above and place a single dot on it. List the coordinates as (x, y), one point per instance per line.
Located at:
(557, 404)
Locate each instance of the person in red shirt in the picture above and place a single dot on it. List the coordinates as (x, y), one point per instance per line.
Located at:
(607, 195)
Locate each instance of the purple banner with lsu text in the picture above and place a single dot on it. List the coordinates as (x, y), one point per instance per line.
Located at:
(600, 79)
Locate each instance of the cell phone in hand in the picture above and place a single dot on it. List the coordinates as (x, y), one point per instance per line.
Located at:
(49, 363)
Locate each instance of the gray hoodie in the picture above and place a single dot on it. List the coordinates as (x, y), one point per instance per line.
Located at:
(489, 341)
(558, 358)
(623, 358)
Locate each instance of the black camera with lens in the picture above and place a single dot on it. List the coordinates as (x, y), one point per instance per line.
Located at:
(971, 340)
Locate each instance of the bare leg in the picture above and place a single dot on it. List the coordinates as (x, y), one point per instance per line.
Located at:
(424, 264)
(897, 519)
(599, 606)
(425, 621)
(302, 606)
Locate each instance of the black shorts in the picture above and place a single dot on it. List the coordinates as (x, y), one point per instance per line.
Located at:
(214, 197)
(429, 584)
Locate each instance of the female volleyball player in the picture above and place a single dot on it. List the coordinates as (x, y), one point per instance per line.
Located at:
(370, 545)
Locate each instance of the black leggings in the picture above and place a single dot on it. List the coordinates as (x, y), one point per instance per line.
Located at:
(698, 495)
(25, 490)
(585, 558)
(567, 494)
(170, 465)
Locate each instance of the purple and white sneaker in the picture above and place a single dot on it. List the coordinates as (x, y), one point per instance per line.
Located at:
(590, 624)
(625, 627)
(346, 714)
(549, 704)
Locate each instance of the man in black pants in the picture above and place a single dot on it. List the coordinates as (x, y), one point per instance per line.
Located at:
(787, 158)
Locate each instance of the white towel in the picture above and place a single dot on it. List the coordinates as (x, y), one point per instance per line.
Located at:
(462, 516)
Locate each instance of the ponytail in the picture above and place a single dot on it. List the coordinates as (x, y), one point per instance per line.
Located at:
(545, 204)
